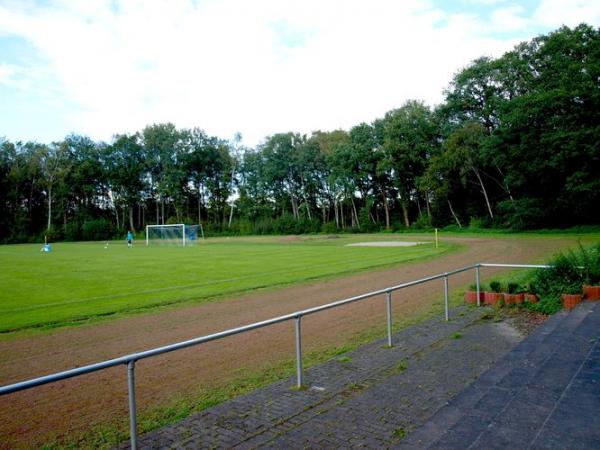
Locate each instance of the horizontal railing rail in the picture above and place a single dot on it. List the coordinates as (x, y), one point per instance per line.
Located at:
(131, 359)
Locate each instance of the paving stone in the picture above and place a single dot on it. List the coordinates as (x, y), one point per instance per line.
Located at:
(543, 394)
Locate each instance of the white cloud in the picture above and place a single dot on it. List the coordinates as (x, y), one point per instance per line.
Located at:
(259, 67)
(509, 19)
(554, 13)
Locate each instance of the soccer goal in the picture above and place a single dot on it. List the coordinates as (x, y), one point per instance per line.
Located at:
(175, 234)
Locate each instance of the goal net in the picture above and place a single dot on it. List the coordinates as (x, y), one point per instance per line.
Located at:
(176, 234)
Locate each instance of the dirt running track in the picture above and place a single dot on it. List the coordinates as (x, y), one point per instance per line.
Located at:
(50, 412)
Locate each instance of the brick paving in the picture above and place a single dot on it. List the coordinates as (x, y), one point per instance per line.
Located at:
(370, 398)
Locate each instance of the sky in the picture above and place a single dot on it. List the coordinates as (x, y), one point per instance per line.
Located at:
(257, 67)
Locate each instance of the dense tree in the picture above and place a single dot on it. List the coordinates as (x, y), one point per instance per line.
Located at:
(127, 174)
(410, 140)
(516, 143)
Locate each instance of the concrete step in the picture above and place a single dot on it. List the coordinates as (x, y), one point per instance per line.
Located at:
(540, 390)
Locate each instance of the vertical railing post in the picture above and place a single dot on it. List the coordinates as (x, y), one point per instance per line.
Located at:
(446, 297)
(388, 300)
(132, 404)
(478, 281)
(298, 351)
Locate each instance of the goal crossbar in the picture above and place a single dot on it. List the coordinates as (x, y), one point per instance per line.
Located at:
(181, 226)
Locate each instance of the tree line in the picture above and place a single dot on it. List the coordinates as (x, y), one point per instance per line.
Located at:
(515, 144)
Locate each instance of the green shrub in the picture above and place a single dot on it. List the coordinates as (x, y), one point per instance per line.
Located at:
(590, 260)
(564, 277)
(329, 228)
(52, 235)
(521, 214)
(264, 226)
(96, 230)
(495, 286)
(512, 287)
(568, 273)
(366, 224)
(475, 223)
(530, 288)
(547, 305)
(423, 222)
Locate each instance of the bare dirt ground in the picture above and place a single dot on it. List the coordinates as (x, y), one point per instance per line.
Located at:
(29, 418)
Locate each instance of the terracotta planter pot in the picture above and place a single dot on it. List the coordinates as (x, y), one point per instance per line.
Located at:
(570, 301)
(591, 292)
(520, 298)
(510, 299)
(491, 298)
(471, 297)
(531, 298)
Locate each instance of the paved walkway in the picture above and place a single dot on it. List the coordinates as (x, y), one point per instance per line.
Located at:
(370, 397)
(545, 394)
(542, 392)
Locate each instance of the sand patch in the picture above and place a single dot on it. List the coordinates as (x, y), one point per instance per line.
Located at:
(387, 244)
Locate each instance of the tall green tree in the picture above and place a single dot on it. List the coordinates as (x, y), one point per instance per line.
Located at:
(410, 138)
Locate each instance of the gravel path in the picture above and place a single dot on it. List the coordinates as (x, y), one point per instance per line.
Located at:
(62, 409)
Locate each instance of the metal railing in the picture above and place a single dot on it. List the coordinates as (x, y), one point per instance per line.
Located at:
(131, 359)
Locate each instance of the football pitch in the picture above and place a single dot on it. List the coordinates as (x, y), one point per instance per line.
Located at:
(82, 281)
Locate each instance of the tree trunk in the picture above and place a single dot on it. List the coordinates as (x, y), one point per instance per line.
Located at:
(200, 203)
(117, 218)
(307, 209)
(405, 213)
(506, 188)
(487, 201)
(306, 201)
(295, 212)
(355, 213)
(157, 212)
(387, 210)
(49, 208)
(131, 224)
(453, 214)
(427, 205)
(231, 214)
(335, 211)
(64, 216)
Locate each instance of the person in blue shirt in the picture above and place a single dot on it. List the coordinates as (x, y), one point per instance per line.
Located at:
(129, 239)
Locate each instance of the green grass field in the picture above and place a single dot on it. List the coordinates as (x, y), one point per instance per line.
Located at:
(81, 281)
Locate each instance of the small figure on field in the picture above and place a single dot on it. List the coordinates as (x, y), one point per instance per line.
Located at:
(46, 248)
(129, 239)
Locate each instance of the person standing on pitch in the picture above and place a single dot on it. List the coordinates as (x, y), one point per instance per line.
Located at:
(129, 239)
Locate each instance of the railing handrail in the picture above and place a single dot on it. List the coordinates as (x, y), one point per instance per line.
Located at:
(130, 359)
(58, 376)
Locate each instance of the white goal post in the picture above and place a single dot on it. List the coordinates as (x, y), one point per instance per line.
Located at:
(174, 234)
